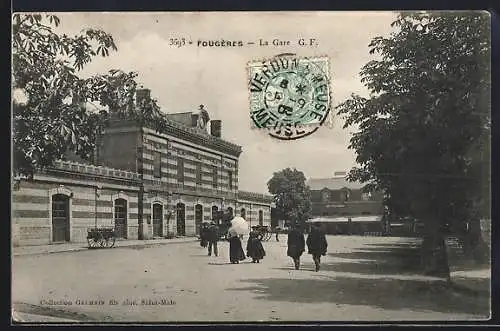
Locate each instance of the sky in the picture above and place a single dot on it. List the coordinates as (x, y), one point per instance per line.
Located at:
(182, 78)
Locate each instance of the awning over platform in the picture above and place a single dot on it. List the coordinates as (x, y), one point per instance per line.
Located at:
(356, 219)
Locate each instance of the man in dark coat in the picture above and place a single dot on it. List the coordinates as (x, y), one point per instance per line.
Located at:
(212, 236)
(255, 250)
(296, 245)
(316, 244)
(203, 233)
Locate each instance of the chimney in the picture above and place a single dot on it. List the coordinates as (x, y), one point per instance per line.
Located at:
(194, 120)
(142, 94)
(215, 128)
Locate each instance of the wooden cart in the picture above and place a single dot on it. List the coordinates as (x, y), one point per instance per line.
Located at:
(101, 237)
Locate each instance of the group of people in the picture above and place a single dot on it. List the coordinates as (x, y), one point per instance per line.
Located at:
(316, 244)
(209, 235)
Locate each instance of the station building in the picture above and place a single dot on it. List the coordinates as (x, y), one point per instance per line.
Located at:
(143, 183)
(342, 207)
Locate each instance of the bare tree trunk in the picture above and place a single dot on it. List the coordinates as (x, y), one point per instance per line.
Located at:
(434, 252)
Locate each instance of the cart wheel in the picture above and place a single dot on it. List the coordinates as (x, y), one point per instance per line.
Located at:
(268, 236)
(93, 243)
(110, 242)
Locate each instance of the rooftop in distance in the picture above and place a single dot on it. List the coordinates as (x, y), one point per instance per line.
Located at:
(337, 182)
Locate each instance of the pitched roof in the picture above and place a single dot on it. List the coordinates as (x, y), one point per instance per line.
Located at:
(335, 183)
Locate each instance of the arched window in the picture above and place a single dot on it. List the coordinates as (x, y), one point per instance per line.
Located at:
(325, 196)
(366, 196)
(215, 213)
(345, 194)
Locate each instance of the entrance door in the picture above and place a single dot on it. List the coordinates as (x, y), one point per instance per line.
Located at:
(60, 218)
(198, 217)
(215, 214)
(261, 217)
(121, 218)
(181, 219)
(157, 220)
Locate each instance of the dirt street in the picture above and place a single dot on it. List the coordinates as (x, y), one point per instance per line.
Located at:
(179, 282)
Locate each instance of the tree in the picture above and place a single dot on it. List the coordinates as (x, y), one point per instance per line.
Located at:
(52, 117)
(423, 132)
(291, 195)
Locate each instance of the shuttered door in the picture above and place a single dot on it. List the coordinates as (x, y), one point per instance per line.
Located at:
(121, 218)
(60, 218)
(157, 220)
(181, 219)
(198, 217)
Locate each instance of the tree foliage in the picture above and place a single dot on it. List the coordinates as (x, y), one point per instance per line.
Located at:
(52, 118)
(291, 195)
(423, 133)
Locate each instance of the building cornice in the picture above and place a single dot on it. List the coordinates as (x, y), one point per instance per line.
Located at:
(184, 132)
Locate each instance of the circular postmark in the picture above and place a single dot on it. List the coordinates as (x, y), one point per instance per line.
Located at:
(289, 96)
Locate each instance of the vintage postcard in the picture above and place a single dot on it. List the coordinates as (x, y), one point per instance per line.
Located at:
(251, 166)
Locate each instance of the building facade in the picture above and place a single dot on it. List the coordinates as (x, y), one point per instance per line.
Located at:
(337, 197)
(144, 184)
(343, 208)
(61, 203)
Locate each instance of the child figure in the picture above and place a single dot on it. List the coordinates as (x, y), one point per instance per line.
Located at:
(255, 250)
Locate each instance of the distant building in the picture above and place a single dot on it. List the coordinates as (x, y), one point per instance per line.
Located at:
(343, 208)
(144, 184)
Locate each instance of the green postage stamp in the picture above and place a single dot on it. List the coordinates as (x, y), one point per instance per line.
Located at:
(289, 95)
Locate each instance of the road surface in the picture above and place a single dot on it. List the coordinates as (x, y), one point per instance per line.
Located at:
(179, 282)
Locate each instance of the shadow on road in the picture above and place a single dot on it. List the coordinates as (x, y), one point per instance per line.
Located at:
(398, 259)
(371, 285)
(394, 294)
(229, 263)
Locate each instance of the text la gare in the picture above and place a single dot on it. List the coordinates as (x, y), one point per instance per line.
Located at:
(280, 42)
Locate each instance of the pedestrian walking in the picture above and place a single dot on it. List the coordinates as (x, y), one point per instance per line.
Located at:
(236, 253)
(316, 244)
(255, 250)
(277, 229)
(296, 245)
(203, 234)
(212, 236)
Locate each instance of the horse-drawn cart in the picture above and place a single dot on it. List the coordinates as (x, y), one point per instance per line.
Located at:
(101, 237)
(264, 233)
